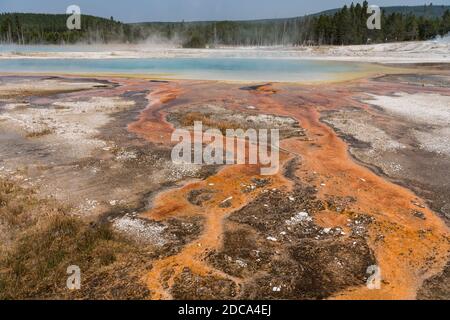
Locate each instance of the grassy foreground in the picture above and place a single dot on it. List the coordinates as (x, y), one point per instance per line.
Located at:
(39, 241)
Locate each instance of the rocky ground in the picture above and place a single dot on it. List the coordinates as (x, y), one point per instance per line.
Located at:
(98, 151)
(405, 136)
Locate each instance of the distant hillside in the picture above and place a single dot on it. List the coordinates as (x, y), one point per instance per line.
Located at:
(338, 26)
(29, 28)
(426, 11)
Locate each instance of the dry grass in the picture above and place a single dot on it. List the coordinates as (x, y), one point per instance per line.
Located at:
(38, 134)
(188, 120)
(43, 242)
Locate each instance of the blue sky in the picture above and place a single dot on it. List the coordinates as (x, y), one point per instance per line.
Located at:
(177, 10)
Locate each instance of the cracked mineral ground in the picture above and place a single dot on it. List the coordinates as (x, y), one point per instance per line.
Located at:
(86, 178)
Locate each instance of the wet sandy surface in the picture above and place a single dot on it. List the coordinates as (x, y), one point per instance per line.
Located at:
(364, 181)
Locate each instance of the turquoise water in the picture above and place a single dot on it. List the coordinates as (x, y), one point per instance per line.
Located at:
(237, 69)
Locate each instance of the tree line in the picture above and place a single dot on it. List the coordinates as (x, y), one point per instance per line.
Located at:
(348, 26)
(30, 28)
(336, 27)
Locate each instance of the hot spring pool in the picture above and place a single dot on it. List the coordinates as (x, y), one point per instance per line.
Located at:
(234, 69)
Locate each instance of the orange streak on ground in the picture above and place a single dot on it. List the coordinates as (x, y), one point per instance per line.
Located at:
(152, 124)
(406, 256)
(228, 183)
(403, 256)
